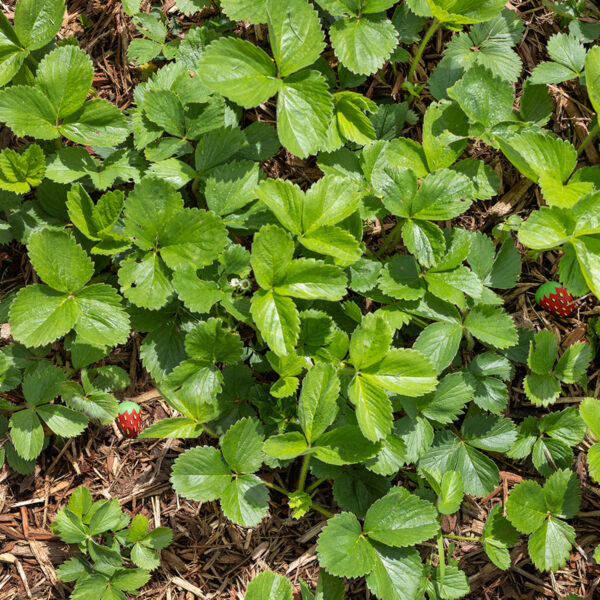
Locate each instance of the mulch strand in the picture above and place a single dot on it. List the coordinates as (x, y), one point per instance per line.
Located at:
(210, 558)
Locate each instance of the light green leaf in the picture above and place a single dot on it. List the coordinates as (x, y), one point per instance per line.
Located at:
(363, 44)
(397, 573)
(342, 548)
(484, 98)
(65, 77)
(344, 445)
(403, 371)
(198, 295)
(440, 342)
(312, 279)
(550, 545)
(62, 420)
(145, 281)
(317, 406)
(451, 493)
(19, 172)
(164, 108)
(295, 35)
(174, 427)
(27, 433)
(333, 241)
(277, 320)
(28, 112)
(269, 586)
(38, 21)
(373, 408)
(461, 12)
(370, 341)
(526, 506)
(40, 315)
(590, 412)
(240, 71)
(304, 110)
(200, 474)
(401, 519)
(592, 76)
(253, 11)
(98, 123)
(286, 445)
(492, 326)
(245, 500)
(242, 446)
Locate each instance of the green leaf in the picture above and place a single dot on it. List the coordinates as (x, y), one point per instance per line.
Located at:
(27, 433)
(344, 446)
(373, 408)
(65, 77)
(492, 326)
(70, 528)
(200, 474)
(440, 342)
(164, 108)
(484, 98)
(573, 363)
(403, 371)
(108, 516)
(19, 172)
(62, 420)
(242, 446)
(448, 400)
(587, 249)
(42, 383)
(590, 412)
(444, 194)
(567, 50)
(397, 573)
(144, 557)
(304, 111)
(363, 44)
(424, 240)
(269, 586)
(277, 320)
(98, 123)
(40, 315)
(272, 251)
(145, 281)
(489, 432)
(498, 535)
(210, 341)
(542, 390)
(592, 76)
(129, 579)
(317, 406)
(312, 279)
(448, 582)
(342, 548)
(401, 519)
(245, 500)
(253, 11)
(295, 35)
(174, 427)
(28, 112)
(231, 187)
(103, 320)
(38, 21)
(401, 278)
(534, 153)
(240, 71)
(286, 445)
(461, 12)
(550, 545)
(67, 268)
(370, 341)
(526, 507)
(197, 295)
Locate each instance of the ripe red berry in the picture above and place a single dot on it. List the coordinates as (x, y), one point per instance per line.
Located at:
(129, 419)
(555, 298)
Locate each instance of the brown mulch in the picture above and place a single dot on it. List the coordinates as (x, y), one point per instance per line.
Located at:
(210, 558)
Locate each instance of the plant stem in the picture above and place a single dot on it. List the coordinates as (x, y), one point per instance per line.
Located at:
(441, 556)
(413, 67)
(462, 537)
(322, 510)
(590, 136)
(303, 472)
(313, 486)
(276, 487)
(391, 240)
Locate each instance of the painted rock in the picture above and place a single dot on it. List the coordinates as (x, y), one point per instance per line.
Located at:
(129, 419)
(555, 298)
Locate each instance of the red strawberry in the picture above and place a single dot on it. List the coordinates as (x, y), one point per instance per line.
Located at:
(555, 298)
(129, 419)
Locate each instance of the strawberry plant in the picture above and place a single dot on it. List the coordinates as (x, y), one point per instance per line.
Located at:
(337, 342)
(106, 573)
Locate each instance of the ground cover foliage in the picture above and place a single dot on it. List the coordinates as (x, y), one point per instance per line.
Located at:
(343, 345)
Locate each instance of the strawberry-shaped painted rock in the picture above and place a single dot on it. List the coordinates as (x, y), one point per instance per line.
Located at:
(129, 419)
(555, 298)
